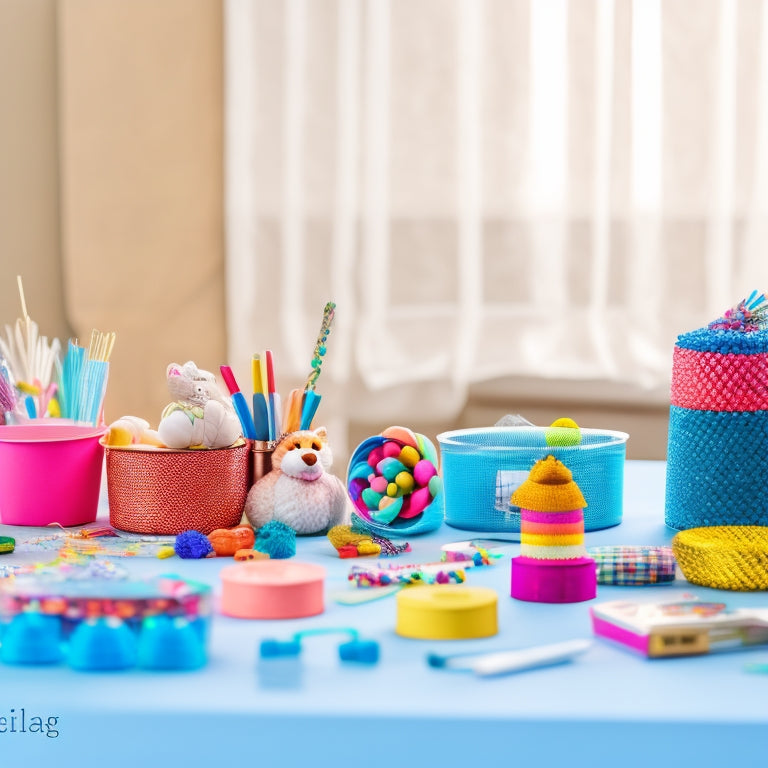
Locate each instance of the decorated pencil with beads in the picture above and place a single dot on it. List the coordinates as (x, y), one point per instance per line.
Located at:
(311, 398)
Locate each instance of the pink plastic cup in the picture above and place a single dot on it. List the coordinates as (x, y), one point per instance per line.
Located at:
(50, 473)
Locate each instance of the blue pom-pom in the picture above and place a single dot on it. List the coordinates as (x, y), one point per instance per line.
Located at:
(192, 545)
(277, 540)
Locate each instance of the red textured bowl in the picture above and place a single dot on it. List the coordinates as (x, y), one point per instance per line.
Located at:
(166, 492)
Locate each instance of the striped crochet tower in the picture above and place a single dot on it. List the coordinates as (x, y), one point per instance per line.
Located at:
(553, 566)
(717, 451)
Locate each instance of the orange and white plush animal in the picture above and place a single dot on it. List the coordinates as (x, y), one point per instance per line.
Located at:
(299, 491)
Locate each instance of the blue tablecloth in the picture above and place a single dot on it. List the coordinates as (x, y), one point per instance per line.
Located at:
(609, 706)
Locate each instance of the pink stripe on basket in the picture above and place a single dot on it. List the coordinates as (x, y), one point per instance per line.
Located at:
(710, 381)
(529, 516)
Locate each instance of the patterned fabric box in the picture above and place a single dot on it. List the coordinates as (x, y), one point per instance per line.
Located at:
(633, 566)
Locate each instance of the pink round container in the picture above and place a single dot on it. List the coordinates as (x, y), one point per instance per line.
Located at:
(50, 473)
(272, 589)
(554, 581)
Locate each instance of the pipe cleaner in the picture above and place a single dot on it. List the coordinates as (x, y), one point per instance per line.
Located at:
(357, 540)
(475, 554)
(425, 573)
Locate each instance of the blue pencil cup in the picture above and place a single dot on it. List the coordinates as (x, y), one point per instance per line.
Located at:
(482, 467)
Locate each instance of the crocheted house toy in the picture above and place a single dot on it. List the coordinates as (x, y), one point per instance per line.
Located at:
(553, 566)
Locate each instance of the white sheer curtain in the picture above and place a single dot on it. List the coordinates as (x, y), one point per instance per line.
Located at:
(489, 188)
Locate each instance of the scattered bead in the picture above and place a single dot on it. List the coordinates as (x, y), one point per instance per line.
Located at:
(7, 544)
(250, 554)
(165, 552)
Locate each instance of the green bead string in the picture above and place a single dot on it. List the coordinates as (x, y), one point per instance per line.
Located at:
(320, 349)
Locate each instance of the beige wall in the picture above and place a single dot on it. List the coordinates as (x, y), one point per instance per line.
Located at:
(29, 176)
(111, 183)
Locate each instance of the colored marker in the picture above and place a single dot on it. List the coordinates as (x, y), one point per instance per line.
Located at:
(311, 403)
(293, 409)
(273, 398)
(238, 400)
(260, 410)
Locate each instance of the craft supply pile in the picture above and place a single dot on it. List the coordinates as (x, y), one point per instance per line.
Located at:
(236, 488)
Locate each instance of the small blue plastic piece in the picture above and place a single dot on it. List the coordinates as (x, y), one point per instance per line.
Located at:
(171, 644)
(32, 638)
(361, 651)
(102, 644)
(354, 649)
(270, 648)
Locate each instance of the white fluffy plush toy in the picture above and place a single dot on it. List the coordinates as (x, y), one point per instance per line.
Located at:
(300, 491)
(200, 415)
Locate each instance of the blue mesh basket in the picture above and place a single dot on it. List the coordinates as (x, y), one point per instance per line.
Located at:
(717, 450)
(482, 467)
(709, 479)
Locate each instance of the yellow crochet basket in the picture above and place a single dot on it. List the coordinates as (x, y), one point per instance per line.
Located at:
(724, 557)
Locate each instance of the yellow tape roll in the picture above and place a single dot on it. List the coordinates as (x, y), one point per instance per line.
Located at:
(447, 612)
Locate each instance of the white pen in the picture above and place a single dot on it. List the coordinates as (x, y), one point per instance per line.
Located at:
(504, 662)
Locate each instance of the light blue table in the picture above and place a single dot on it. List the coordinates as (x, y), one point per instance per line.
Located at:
(609, 707)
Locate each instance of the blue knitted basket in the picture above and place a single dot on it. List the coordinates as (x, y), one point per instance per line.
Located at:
(482, 467)
(709, 480)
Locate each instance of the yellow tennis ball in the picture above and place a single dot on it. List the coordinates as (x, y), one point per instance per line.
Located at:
(564, 422)
(563, 432)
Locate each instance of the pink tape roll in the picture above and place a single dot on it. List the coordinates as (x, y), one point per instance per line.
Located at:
(272, 589)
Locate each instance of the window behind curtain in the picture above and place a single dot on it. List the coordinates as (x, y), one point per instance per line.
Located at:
(489, 188)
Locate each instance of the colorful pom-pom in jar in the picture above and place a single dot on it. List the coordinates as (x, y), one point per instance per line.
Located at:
(394, 482)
